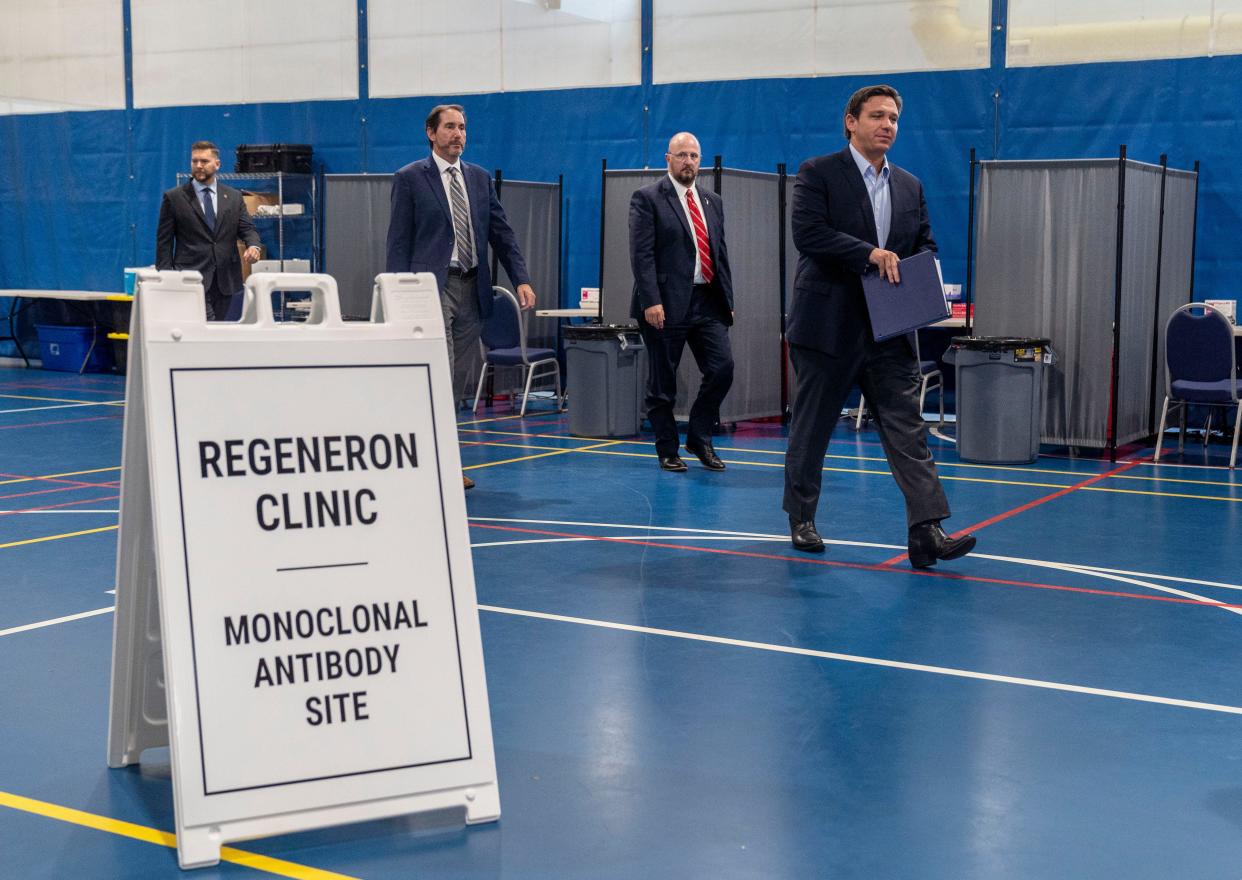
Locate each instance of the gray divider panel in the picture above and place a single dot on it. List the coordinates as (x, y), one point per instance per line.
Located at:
(1140, 248)
(751, 233)
(1175, 266)
(534, 212)
(1046, 264)
(356, 212)
(355, 227)
(616, 283)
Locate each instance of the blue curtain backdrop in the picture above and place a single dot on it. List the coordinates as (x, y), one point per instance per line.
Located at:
(80, 191)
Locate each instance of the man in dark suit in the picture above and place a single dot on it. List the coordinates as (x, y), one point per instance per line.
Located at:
(445, 214)
(853, 212)
(200, 225)
(683, 293)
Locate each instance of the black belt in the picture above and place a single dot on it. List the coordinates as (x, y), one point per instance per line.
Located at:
(462, 273)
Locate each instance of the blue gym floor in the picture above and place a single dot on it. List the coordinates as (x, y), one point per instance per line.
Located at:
(677, 693)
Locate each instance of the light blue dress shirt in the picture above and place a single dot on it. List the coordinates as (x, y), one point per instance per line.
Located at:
(215, 201)
(878, 190)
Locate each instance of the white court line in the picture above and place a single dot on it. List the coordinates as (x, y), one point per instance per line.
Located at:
(786, 649)
(26, 409)
(1112, 574)
(676, 530)
(773, 539)
(66, 619)
(873, 661)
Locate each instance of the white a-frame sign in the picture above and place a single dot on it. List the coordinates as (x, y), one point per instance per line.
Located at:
(296, 614)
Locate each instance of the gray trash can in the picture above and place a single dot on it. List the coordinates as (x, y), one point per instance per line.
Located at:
(606, 374)
(999, 397)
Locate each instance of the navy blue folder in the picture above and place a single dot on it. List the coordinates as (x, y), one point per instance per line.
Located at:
(917, 301)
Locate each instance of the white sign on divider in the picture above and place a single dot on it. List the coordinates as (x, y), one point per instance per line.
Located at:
(296, 614)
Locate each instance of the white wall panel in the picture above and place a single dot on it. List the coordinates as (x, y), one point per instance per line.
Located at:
(61, 55)
(238, 52)
(697, 40)
(449, 47)
(1045, 32)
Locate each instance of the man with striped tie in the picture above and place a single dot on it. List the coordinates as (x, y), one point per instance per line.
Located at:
(445, 214)
(683, 294)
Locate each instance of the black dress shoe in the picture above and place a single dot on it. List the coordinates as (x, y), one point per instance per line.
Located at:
(707, 455)
(672, 463)
(805, 538)
(928, 542)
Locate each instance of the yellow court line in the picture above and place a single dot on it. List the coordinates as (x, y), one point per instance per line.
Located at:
(602, 450)
(57, 476)
(58, 537)
(279, 867)
(553, 452)
(1153, 478)
(1160, 494)
(58, 399)
(508, 418)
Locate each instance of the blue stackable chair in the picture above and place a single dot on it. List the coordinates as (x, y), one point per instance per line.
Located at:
(1201, 368)
(504, 345)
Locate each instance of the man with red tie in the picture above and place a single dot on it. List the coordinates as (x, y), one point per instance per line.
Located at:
(683, 293)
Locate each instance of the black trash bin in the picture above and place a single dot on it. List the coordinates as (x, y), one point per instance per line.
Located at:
(999, 396)
(606, 374)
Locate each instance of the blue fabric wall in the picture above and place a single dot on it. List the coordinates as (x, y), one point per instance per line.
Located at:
(79, 192)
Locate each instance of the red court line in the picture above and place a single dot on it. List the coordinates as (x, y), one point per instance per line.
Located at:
(50, 491)
(60, 481)
(57, 506)
(1022, 508)
(115, 418)
(860, 566)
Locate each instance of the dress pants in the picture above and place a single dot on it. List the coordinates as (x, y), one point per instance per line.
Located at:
(459, 303)
(707, 334)
(888, 375)
(218, 302)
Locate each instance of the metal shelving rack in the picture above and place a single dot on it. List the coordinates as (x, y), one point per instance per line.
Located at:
(301, 189)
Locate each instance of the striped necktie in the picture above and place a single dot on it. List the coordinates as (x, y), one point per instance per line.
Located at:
(461, 221)
(700, 237)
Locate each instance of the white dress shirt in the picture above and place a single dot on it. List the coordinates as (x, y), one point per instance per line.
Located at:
(446, 179)
(698, 200)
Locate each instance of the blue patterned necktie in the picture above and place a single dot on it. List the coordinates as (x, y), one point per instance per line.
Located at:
(209, 210)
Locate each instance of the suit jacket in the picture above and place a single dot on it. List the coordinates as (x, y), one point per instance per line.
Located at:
(662, 250)
(183, 241)
(420, 230)
(834, 232)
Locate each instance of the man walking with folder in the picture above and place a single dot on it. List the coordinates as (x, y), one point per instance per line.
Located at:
(854, 212)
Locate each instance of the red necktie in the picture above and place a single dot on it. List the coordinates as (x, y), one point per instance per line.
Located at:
(700, 237)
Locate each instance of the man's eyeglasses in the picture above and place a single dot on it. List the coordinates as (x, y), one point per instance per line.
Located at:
(684, 157)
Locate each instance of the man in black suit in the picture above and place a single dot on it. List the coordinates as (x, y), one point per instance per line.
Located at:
(683, 293)
(445, 214)
(200, 225)
(853, 213)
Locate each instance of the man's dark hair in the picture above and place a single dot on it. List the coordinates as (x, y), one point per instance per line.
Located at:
(433, 118)
(205, 145)
(854, 106)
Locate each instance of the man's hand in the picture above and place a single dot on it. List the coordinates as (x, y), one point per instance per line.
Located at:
(526, 296)
(654, 315)
(886, 262)
(251, 256)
